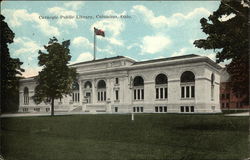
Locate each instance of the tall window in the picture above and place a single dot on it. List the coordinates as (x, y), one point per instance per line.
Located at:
(26, 96)
(212, 87)
(138, 86)
(187, 85)
(116, 94)
(101, 90)
(75, 94)
(116, 80)
(161, 88)
(87, 91)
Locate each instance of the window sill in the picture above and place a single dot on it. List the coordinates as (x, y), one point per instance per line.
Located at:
(161, 99)
(187, 98)
(116, 100)
(137, 100)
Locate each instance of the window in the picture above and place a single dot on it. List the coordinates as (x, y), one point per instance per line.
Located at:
(141, 109)
(237, 104)
(192, 108)
(116, 109)
(227, 105)
(47, 109)
(116, 80)
(222, 105)
(182, 92)
(138, 86)
(116, 94)
(75, 95)
(156, 109)
(161, 90)
(160, 108)
(88, 84)
(228, 96)
(187, 85)
(25, 109)
(37, 109)
(138, 109)
(101, 90)
(222, 96)
(187, 109)
(165, 109)
(212, 86)
(26, 96)
(182, 108)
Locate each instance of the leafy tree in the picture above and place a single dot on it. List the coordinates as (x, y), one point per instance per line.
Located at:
(56, 78)
(227, 30)
(10, 70)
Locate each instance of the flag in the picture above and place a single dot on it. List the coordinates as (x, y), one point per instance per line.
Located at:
(99, 32)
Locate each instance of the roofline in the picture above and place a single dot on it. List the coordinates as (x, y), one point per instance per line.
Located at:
(102, 60)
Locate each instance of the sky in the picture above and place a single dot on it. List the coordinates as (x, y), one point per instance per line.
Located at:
(150, 29)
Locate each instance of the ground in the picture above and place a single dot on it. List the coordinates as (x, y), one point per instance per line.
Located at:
(107, 137)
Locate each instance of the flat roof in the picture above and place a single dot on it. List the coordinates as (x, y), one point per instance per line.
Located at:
(167, 59)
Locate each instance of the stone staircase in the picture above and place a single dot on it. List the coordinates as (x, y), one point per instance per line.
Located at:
(76, 109)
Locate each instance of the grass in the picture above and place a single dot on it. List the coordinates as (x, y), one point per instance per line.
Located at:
(116, 137)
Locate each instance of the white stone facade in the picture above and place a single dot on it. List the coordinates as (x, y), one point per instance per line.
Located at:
(184, 84)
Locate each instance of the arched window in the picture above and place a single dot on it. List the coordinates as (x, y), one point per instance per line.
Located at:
(187, 76)
(212, 86)
(26, 96)
(161, 88)
(138, 86)
(88, 85)
(101, 90)
(187, 85)
(76, 94)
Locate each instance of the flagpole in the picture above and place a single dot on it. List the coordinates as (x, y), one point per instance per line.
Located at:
(94, 43)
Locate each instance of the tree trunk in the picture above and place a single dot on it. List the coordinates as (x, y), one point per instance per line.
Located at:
(52, 107)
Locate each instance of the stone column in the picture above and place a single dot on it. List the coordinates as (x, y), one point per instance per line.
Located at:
(94, 92)
(80, 92)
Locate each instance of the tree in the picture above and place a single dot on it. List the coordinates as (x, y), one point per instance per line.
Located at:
(56, 78)
(10, 70)
(227, 30)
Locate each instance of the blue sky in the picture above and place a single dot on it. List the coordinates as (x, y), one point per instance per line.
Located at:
(156, 29)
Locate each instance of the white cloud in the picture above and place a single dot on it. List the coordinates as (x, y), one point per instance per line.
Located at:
(82, 41)
(111, 26)
(154, 44)
(108, 50)
(115, 41)
(163, 21)
(74, 5)
(28, 47)
(133, 45)
(86, 56)
(17, 17)
(63, 13)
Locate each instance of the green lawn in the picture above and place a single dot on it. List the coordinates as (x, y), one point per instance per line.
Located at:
(107, 137)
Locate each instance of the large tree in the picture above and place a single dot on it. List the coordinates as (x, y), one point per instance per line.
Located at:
(10, 70)
(227, 30)
(56, 78)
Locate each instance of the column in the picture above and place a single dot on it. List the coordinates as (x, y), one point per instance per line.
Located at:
(94, 92)
(80, 92)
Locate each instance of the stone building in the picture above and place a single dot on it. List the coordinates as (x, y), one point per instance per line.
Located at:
(230, 100)
(183, 84)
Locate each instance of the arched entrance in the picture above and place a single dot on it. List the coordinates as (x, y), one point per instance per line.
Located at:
(88, 92)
